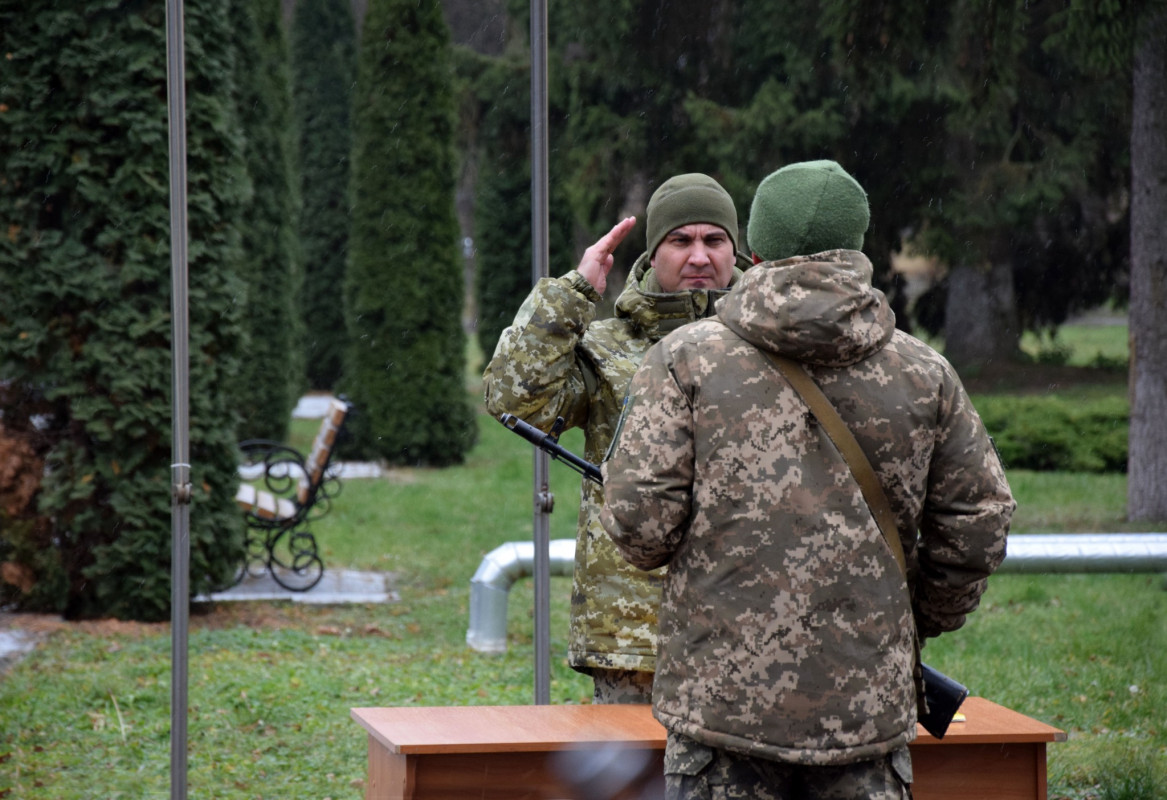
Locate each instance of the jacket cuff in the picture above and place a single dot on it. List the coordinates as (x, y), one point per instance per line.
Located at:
(580, 284)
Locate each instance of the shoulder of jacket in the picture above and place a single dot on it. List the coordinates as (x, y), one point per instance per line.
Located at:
(702, 330)
(909, 348)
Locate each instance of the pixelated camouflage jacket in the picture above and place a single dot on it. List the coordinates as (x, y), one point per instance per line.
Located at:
(557, 360)
(786, 629)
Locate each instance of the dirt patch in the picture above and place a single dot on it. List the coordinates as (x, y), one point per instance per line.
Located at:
(208, 616)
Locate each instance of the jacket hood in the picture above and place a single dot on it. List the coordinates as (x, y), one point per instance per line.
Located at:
(819, 309)
(656, 313)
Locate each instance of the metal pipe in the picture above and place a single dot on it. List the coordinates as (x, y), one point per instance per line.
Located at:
(1085, 552)
(180, 493)
(1042, 553)
(491, 585)
(540, 258)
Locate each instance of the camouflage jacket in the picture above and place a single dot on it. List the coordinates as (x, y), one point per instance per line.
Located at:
(786, 630)
(557, 360)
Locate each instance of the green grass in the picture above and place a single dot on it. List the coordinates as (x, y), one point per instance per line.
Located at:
(86, 715)
(1086, 653)
(1081, 345)
(1072, 502)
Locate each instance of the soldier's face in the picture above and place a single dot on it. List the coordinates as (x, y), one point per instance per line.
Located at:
(697, 256)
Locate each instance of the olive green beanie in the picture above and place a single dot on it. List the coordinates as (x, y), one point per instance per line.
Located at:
(807, 208)
(685, 200)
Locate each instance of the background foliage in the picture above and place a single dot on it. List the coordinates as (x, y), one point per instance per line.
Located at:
(323, 69)
(1051, 433)
(993, 135)
(404, 287)
(85, 320)
(271, 376)
(500, 108)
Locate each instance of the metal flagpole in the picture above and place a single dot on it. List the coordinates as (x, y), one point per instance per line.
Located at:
(180, 410)
(540, 250)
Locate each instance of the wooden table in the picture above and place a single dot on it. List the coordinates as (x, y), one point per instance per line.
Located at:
(516, 752)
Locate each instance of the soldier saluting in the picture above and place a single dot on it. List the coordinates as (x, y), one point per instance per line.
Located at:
(557, 360)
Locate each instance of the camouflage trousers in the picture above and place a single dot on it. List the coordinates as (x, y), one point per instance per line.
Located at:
(694, 771)
(622, 686)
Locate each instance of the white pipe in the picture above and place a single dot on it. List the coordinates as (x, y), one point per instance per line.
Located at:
(491, 584)
(1086, 552)
(1025, 553)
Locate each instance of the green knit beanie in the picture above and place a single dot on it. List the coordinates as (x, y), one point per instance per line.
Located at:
(685, 200)
(807, 208)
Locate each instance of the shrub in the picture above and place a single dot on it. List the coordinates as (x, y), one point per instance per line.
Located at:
(1051, 433)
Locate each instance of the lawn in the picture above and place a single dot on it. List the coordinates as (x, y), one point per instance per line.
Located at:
(86, 714)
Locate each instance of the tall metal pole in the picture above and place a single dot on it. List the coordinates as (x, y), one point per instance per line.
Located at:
(180, 408)
(540, 255)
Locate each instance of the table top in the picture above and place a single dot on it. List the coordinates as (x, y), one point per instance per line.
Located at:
(985, 721)
(488, 729)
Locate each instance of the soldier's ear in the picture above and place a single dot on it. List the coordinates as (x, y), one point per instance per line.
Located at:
(757, 258)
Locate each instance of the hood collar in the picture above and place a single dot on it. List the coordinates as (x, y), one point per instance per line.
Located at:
(819, 309)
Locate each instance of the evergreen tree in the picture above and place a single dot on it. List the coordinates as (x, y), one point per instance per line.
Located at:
(85, 324)
(502, 218)
(272, 376)
(404, 292)
(324, 67)
(623, 71)
(1003, 162)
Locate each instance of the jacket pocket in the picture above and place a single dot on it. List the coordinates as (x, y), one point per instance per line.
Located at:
(683, 756)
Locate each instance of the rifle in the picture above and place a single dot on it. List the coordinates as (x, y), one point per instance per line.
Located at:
(549, 443)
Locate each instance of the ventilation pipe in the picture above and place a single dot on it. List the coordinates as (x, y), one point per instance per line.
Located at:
(1043, 553)
(491, 584)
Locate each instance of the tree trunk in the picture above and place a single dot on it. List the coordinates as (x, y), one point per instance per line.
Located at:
(1147, 465)
(981, 315)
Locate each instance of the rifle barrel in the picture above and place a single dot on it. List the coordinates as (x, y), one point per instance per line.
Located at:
(552, 447)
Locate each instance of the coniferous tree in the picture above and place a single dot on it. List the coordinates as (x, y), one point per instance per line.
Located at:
(324, 66)
(406, 363)
(502, 217)
(85, 323)
(1008, 151)
(272, 376)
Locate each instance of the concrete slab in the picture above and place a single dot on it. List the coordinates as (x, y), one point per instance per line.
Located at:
(344, 470)
(336, 586)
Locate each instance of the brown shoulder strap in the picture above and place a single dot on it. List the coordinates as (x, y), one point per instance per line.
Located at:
(844, 440)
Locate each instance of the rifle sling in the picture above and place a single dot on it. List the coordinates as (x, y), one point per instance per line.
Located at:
(844, 440)
(932, 687)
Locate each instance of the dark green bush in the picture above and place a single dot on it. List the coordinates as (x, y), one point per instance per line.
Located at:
(1054, 434)
(85, 321)
(404, 293)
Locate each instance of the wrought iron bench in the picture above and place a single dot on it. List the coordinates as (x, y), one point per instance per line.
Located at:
(283, 491)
